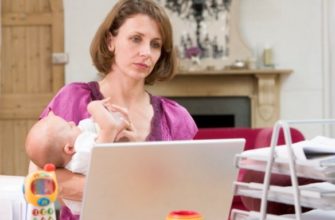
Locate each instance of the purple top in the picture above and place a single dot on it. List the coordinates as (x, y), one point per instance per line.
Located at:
(170, 121)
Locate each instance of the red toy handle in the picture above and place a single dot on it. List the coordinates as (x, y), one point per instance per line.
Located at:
(49, 167)
(184, 214)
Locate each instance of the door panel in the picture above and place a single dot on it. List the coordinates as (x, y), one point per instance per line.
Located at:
(31, 31)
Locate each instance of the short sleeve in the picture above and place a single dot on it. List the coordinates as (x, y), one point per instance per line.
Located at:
(177, 123)
(70, 102)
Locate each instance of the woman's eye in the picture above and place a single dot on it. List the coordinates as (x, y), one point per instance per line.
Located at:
(156, 45)
(136, 39)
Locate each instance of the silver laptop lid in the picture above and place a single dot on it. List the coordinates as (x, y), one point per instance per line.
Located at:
(147, 180)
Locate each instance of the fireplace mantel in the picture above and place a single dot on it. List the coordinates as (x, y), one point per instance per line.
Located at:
(262, 86)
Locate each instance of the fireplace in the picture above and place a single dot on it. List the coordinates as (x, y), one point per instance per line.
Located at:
(214, 112)
(261, 87)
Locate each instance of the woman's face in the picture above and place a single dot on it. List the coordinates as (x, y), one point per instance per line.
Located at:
(137, 47)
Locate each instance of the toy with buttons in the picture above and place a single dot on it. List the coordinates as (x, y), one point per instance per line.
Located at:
(40, 191)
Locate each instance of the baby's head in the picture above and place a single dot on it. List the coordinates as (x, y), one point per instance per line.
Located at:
(51, 140)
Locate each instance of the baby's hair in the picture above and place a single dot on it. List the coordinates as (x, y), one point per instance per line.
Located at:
(53, 152)
(42, 145)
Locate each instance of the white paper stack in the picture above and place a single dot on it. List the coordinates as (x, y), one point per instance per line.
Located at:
(313, 158)
(316, 195)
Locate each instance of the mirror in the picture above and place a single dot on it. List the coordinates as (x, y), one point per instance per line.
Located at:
(205, 33)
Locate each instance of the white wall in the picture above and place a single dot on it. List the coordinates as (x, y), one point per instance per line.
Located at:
(82, 18)
(294, 28)
(331, 25)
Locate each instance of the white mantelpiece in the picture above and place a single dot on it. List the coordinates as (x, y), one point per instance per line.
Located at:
(261, 86)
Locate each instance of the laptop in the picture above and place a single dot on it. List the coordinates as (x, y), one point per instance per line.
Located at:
(148, 180)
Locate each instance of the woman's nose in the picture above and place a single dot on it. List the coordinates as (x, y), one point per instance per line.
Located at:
(145, 49)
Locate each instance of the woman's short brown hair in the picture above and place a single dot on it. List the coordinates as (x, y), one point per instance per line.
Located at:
(103, 58)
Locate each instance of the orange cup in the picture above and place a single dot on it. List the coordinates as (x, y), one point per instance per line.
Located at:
(184, 215)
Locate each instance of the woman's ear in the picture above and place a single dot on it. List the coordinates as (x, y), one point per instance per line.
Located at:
(110, 42)
(69, 149)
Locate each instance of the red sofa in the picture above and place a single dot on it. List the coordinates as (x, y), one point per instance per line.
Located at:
(255, 138)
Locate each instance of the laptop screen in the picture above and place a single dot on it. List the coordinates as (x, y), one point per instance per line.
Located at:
(147, 180)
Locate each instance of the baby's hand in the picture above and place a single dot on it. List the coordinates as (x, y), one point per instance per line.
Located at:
(126, 130)
(118, 113)
(118, 117)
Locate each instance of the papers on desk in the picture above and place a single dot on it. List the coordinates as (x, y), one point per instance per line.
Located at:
(313, 158)
(315, 214)
(319, 167)
(316, 195)
(319, 147)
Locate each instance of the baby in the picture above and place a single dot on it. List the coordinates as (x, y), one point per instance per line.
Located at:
(54, 140)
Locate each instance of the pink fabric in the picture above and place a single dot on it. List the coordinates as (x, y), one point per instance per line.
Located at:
(169, 117)
(66, 214)
(171, 121)
(176, 122)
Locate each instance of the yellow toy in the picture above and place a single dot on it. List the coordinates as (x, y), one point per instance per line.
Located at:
(40, 191)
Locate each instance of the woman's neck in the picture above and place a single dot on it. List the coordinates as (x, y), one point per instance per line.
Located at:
(122, 91)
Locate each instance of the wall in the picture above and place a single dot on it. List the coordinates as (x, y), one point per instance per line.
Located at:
(331, 25)
(294, 29)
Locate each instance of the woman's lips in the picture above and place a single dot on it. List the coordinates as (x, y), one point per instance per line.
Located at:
(142, 65)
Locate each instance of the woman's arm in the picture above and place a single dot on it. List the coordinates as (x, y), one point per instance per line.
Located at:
(75, 96)
(71, 186)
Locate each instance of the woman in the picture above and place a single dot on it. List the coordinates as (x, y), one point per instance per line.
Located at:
(132, 47)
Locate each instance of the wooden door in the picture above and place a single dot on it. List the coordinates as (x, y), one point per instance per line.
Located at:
(32, 31)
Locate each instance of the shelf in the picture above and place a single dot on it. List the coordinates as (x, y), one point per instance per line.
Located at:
(235, 72)
(321, 170)
(315, 195)
(296, 162)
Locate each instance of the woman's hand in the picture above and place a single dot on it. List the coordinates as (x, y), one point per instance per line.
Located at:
(128, 134)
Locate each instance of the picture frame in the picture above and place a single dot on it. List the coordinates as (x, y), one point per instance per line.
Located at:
(206, 33)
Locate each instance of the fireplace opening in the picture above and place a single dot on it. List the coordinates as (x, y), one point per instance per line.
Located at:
(214, 121)
(214, 112)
